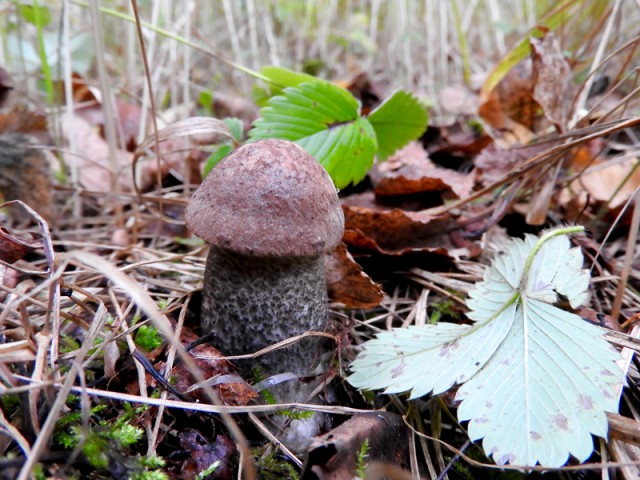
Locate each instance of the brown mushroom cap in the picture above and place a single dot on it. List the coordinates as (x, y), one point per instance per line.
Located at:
(268, 198)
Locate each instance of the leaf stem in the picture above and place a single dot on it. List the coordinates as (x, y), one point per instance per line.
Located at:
(541, 241)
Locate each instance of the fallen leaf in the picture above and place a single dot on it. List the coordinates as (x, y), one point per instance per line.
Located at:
(231, 388)
(348, 283)
(96, 172)
(458, 100)
(612, 182)
(398, 232)
(552, 78)
(510, 108)
(495, 162)
(13, 248)
(409, 171)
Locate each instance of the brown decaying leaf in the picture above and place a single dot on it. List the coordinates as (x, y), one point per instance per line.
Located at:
(410, 171)
(552, 78)
(210, 362)
(510, 108)
(88, 106)
(96, 172)
(333, 456)
(399, 232)
(601, 181)
(348, 283)
(13, 248)
(495, 162)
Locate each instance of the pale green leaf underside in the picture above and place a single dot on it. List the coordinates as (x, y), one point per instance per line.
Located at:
(427, 359)
(324, 119)
(544, 391)
(398, 120)
(538, 379)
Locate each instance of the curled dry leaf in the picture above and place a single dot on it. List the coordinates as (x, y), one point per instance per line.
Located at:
(510, 108)
(13, 248)
(398, 232)
(233, 391)
(409, 171)
(348, 283)
(88, 99)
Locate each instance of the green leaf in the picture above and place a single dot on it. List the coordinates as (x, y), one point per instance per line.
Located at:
(216, 156)
(398, 120)
(236, 127)
(324, 119)
(538, 379)
(35, 14)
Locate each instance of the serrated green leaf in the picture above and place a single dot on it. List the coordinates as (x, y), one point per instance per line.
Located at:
(549, 377)
(545, 391)
(398, 120)
(324, 119)
(426, 359)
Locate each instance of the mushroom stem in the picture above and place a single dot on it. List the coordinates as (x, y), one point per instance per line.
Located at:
(253, 302)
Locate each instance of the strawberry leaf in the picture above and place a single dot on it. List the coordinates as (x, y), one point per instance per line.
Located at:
(324, 119)
(398, 120)
(539, 380)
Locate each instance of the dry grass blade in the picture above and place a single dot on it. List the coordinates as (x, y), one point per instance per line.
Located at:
(76, 370)
(144, 301)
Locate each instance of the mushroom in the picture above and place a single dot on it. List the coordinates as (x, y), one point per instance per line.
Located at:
(269, 211)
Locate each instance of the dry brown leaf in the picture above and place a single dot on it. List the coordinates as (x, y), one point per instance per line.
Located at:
(13, 248)
(95, 170)
(552, 78)
(495, 162)
(211, 364)
(398, 232)
(348, 283)
(410, 171)
(510, 108)
(601, 181)
(204, 450)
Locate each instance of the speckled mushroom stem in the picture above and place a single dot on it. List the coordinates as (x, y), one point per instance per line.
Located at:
(253, 302)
